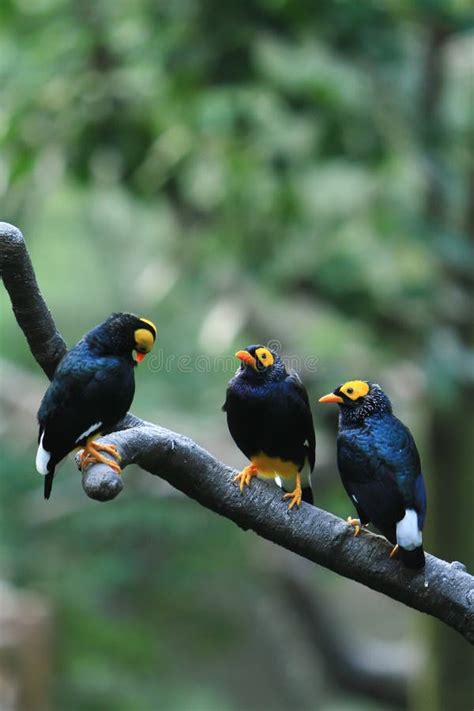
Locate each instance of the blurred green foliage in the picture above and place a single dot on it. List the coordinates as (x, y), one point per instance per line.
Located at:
(238, 172)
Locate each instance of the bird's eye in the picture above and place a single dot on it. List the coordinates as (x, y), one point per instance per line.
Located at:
(264, 357)
(350, 391)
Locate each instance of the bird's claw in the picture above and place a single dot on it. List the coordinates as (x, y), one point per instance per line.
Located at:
(245, 476)
(295, 497)
(91, 454)
(355, 522)
(358, 526)
(394, 551)
(110, 449)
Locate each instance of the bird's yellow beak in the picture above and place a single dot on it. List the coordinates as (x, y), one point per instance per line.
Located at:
(246, 358)
(331, 397)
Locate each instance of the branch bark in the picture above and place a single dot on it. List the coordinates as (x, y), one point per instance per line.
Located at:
(29, 307)
(445, 591)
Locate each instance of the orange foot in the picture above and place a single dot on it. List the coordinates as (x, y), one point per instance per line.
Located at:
(394, 551)
(356, 523)
(295, 495)
(91, 454)
(246, 476)
(358, 526)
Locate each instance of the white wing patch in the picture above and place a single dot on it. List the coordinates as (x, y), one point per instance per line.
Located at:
(408, 534)
(354, 499)
(89, 431)
(42, 458)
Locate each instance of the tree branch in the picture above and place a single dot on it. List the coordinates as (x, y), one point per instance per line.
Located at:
(312, 533)
(29, 307)
(446, 591)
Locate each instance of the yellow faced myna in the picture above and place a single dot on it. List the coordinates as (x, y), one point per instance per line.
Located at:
(270, 420)
(380, 467)
(91, 390)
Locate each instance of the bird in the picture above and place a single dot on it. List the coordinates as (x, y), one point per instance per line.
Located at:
(380, 468)
(270, 420)
(91, 390)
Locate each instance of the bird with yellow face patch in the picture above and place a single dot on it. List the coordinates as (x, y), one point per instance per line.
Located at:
(269, 418)
(91, 390)
(380, 468)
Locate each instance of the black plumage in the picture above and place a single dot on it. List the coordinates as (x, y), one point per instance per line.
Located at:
(380, 467)
(92, 389)
(269, 418)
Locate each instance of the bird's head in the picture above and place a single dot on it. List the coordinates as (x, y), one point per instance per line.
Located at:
(123, 334)
(260, 363)
(359, 399)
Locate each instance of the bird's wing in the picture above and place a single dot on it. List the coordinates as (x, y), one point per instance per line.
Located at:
(397, 455)
(420, 500)
(303, 416)
(83, 394)
(370, 484)
(381, 471)
(227, 393)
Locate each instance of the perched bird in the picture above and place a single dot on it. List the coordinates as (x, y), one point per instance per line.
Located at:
(380, 468)
(91, 390)
(269, 418)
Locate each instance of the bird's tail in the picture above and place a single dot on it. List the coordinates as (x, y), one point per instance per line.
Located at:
(414, 559)
(307, 495)
(44, 465)
(48, 484)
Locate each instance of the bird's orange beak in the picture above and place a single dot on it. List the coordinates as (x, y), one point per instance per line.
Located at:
(246, 358)
(331, 397)
(139, 356)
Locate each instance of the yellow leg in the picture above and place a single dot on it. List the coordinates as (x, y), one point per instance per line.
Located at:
(394, 551)
(296, 494)
(91, 454)
(245, 476)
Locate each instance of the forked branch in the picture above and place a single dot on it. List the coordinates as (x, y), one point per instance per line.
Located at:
(444, 590)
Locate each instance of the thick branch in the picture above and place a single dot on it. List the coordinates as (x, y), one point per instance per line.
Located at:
(32, 314)
(448, 592)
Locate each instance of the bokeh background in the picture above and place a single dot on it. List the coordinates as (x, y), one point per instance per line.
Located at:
(239, 172)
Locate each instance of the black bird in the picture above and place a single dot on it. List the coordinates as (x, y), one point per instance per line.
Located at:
(380, 468)
(91, 390)
(269, 418)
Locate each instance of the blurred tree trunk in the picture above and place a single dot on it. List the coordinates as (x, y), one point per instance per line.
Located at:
(452, 445)
(451, 441)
